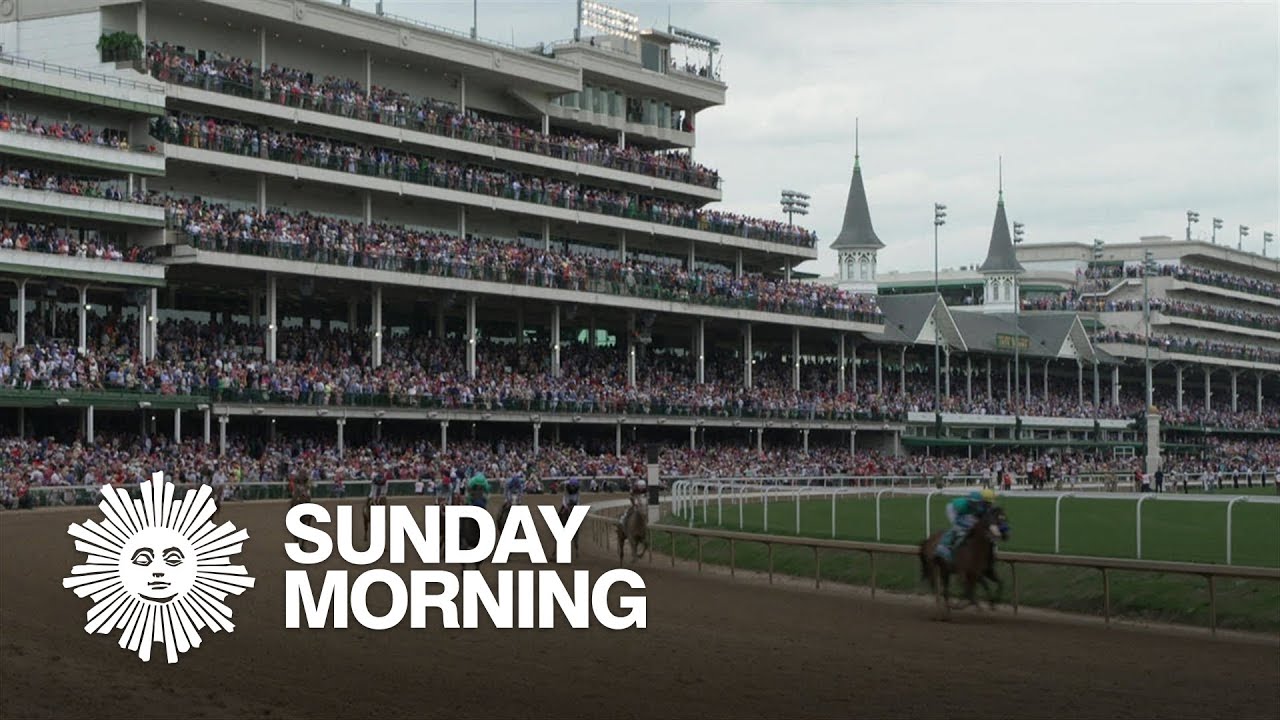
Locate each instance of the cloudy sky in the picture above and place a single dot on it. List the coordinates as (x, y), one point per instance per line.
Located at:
(1113, 118)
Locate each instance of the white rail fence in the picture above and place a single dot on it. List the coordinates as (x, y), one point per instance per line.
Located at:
(689, 496)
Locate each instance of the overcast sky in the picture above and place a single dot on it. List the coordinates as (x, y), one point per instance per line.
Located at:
(1114, 118)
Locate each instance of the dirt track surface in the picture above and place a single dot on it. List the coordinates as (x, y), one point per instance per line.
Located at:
(714, 647)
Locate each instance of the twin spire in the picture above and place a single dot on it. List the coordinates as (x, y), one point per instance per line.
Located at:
(857, 232)
(1001, 257)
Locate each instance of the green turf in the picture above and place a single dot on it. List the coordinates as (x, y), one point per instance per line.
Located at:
(1172, 530)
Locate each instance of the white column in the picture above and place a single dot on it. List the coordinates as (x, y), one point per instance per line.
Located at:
(546, 124)
(737, 265)
(143, 345)
(375, 313)
(471, 336)
(853, 365)
(968, 378)
(462, 221)
(988, 378)
(902, 372)
(1259, 398)
(853, 442)
(946, 354)
(273, 325)
(622, 245)
(701, 349)
(795, 358)
(462, 93)
(840, 363)
(1115, 386)
(262, 47)
(368, 73)
(262, 193)
(1046, 380)
(760, 439)
(555, 340)
(1080, 381)
(622, 139)
(1208, 388)
(22, 313)
(88, 425)
(617, 440)
(805, 434)
(693, 255)
(153, 321)
(1235, 396)
(536, 428)
(693, 437)
(368, 207)
(222, 434)
(1097, 386)
(746, 356)
(631, 350)
(342, 447)
(1177, 369)
(444, 436)
(208, 414)
(177, 426)
(546, 234)
(83, 313)
(879, 372)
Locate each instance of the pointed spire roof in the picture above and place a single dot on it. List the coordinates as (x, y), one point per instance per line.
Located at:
(856, 233)
(1001, 257)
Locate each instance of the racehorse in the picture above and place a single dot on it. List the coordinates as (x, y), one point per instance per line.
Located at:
(974, 558)
(369, 503)
(636, 531)
(302, 494)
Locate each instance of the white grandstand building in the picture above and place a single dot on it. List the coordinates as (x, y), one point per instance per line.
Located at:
(298, 164)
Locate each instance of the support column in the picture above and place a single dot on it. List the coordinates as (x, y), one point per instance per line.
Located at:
(1208, 388)
(88, 425)
(462, 93)
(342, 447)
(795, 359)
(988, 378)
(471, 336)
(272, 324)
(693, 437)
(805, 434)
(262, 187)
(1027, 396)
(1009, 379)
(946, 352)
(368, 207)
(622, 246)
(902, 372)
(968, 378)
(177, 426)
(444, 436)
(462, 221)
(1080, 382)
(143, 345)
(208, 414)
(631, 350)
(546, 234)
(693, 256)
(83, 313)
(701, 349)
(22, 313)
(222, 434)
(853, 443)
(737, 265)
(880, 372)
(1115, 386)
(1259, 397)
(537, 427)
(840, 366)
(853, 365)
(1046, 381)
(555, 340)
(546, 124)
(375, 314)
(1177, 370)
(760, 439)
(622, 139)
(617, 440)
(747, 356)
(153, 321)
(1235, 396)
(1097, 388)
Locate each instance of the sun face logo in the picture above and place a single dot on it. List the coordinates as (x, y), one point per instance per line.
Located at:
(157, 568)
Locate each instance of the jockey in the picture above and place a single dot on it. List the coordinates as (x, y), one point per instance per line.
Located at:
(963, 512)
(639, 488)
(377, 484)
(478, 486)
(514, 489)
(570, 494)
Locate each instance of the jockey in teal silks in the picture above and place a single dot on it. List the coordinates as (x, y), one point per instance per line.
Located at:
(963, 512)
(478, 486)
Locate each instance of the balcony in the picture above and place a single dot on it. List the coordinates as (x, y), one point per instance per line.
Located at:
(81, 85)
(79, 206)
(102, 157)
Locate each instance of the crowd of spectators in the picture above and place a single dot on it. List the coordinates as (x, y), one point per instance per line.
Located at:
(250, 461)
(1070, 300)
(390, 247)
(349, 98)
(27, 124)
(1191, 346)
(55, 239)
(1100, 278)
(69, 184)
(208, 133)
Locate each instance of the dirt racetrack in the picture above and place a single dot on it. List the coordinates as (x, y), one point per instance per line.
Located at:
(714, 647)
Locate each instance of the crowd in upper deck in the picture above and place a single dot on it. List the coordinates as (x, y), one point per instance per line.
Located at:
(349, 98)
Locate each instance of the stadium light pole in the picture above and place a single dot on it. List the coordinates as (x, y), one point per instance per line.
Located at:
(1148, 266)
(794, 203)
(1244, 233)
(1267, 238)
(1017, 310)
(475, 18)
(1217, 225)
(939, 219)
(1192, 217)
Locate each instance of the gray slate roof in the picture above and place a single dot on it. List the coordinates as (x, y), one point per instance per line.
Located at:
(1000, 255)
(857, 233)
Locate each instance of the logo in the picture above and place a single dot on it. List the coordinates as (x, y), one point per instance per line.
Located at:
(158, 568)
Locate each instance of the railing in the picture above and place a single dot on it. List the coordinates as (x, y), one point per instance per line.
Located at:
(686, 495)
(79, 74)
(606, 280)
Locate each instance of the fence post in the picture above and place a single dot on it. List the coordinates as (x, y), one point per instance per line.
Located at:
(1057, 522)
(740, 499)
(797, 510)
(1230, 509)
(1141, 500)
(833, 514)
(1106, 596)
(928, 521)
(766, 509)
(878, 494)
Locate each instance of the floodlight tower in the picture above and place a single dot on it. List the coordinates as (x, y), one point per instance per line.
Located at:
(794, 203)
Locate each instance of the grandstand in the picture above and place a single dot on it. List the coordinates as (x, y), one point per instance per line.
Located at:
(262, 230)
